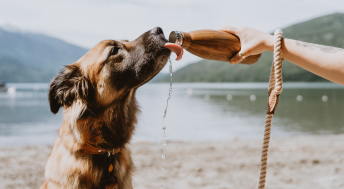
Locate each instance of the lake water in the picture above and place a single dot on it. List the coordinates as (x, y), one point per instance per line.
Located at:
(197, 111)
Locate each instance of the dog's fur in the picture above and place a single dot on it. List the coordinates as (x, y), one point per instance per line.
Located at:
(97, 94)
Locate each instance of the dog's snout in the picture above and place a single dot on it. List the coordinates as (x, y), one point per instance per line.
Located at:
(157, 31)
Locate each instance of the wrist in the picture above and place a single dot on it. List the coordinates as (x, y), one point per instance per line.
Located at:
(269, 43)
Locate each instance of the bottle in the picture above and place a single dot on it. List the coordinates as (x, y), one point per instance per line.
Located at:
(211, 44)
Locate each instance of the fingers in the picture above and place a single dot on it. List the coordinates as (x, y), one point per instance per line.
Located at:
(240, 56)
(236, 59)
(245, 51)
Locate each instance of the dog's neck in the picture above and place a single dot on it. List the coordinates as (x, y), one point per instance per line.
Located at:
(108, 129)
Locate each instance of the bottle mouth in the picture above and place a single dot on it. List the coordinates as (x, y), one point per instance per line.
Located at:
(176, 37)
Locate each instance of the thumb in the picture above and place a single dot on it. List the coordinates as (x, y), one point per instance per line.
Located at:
(230, 29)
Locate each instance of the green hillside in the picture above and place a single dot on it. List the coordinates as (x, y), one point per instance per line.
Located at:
(31, 57)
(327, 30)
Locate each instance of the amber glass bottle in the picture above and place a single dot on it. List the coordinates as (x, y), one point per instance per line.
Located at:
(210, 44)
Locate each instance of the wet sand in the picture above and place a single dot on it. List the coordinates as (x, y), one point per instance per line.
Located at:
(305, 162)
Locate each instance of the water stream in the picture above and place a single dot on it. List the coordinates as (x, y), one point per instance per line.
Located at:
(164, 139)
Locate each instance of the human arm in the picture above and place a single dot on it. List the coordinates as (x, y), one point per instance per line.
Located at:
(325, 61)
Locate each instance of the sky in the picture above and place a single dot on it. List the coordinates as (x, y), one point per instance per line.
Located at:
(85, 22)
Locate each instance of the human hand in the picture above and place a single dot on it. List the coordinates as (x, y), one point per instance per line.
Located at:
(252, 41)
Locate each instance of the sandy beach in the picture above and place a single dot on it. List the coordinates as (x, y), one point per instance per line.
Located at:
(315, 162)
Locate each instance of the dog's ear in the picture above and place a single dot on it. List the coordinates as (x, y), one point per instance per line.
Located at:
(67, 87)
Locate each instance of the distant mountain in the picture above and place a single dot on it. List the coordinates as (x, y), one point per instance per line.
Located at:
(327, 30)
(32, 57)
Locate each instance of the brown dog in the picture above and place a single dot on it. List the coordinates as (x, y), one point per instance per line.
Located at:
(97, 94)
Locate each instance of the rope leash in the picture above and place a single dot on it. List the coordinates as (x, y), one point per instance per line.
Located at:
(275, 89)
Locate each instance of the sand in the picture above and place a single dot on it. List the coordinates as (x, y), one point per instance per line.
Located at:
(315, 162)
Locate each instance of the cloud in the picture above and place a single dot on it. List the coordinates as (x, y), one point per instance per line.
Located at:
(85, 22)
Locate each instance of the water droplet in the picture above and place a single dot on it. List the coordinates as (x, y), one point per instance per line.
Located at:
(229, 97)
(299, 98)
(253, 97)
(324, 98)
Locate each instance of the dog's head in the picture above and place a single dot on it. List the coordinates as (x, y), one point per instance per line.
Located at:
(109, 71)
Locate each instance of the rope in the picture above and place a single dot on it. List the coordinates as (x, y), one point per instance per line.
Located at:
(275, 89)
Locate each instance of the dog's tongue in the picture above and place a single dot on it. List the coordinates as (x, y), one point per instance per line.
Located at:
(177, 49)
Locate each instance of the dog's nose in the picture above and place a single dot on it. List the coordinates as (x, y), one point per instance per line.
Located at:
(157, 31)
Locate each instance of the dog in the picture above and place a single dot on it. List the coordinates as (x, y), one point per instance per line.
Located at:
(97, 94)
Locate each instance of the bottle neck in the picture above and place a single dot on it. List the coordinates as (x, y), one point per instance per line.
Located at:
(181, 38)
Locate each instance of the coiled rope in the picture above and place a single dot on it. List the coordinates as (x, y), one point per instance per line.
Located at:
(275, 89)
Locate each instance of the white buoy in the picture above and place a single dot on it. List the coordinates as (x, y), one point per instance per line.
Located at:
(253, 97)
(299, 98)
(324, 98)
(189, 91)
(229, 97)
(11, 91)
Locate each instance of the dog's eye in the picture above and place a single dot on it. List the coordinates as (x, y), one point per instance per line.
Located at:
(114, 51)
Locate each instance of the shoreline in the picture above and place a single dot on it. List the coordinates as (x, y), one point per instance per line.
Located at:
(311, 161)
